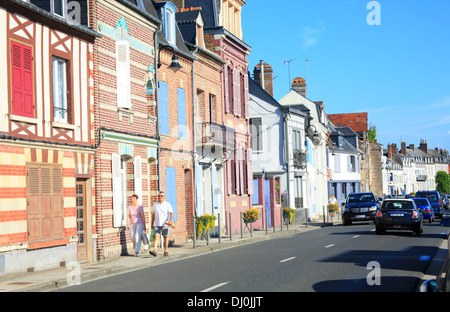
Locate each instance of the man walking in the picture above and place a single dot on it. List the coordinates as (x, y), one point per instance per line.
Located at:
(162, 215)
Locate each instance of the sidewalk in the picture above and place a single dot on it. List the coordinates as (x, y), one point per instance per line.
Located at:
(53, 279)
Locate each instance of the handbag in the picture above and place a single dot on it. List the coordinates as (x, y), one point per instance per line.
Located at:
(145, 239)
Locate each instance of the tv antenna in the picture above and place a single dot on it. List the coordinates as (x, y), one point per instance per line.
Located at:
(289, 71)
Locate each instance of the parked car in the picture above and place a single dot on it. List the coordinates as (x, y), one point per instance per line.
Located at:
(425, 208)
(445, 201)
(435, 200)
(442, 281)
(360, 207)
(399, 214)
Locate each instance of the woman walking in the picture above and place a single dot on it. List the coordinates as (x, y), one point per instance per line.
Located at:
(136, 219)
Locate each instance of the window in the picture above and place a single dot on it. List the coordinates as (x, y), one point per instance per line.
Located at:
(163, 108)
(256, 134)
(45, 202)
(58, 7)
(181, 99)
(352, 164)
(123, 74)
(169, 26)
(60, 91)
(22, 76)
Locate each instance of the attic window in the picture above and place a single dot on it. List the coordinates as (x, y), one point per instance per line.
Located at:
(200, 36)
(169, 25)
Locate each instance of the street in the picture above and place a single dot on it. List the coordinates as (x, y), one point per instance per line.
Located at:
(332, 259)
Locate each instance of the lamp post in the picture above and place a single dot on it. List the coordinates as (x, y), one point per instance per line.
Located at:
(175, 64)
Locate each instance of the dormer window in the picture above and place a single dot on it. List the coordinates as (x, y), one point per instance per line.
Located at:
(169, 25)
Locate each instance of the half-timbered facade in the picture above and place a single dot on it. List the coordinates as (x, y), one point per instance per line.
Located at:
(46, 138)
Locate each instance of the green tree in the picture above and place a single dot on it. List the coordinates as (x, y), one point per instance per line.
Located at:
(443, 182)
(372, 133)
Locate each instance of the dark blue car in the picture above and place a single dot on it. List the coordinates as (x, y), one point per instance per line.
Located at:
(425, 208)
(434, 199)
(360, 207)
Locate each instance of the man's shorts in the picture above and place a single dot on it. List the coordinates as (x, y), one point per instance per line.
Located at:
(164, 230)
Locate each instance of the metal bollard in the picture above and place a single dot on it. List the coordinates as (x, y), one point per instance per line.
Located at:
(218, 223)
(194, 241)
(267, 223)
(229, 226)
(241, 223)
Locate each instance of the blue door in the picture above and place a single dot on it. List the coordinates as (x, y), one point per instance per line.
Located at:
(171, 190)
(267, 201)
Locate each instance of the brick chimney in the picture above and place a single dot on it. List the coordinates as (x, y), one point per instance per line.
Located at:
(299, 86)
(263, 75)
(394, 148)
(389, 155)
(403, 149)
(411, 146)
(423, 146)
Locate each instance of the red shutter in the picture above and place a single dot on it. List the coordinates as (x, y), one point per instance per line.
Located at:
(22, 79)
(249, 171)
(245, 100)
(236, 94)
(226, 91)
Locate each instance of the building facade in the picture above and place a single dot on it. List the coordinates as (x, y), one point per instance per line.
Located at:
(46, 138)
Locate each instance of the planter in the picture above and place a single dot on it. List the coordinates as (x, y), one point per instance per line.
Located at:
(251, 220)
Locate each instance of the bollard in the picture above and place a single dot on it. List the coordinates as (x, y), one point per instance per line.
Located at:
(266, 221)
(218, 225)
(306, 217)
(281, 219)
(241, 223)
(273, 222)
(194, 241)
(229, 226)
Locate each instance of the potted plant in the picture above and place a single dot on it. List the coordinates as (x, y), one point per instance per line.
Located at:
(250, 215)
(333, 209)
(289, 213)
(205, 223)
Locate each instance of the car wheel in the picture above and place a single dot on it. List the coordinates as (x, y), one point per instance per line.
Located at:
(430, 220)
(418, 230)
(379, 231)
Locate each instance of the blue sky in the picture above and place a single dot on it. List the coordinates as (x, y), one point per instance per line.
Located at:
(398, 72)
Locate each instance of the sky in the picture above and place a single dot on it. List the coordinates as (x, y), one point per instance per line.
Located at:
(391, 60)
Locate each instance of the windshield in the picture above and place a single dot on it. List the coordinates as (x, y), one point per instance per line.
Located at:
(360, 198)
(432, 197)
(421, 201)
(404, 205)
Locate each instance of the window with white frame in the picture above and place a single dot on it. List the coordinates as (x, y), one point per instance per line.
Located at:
(60, 91)
(170, 26)
(58, 7)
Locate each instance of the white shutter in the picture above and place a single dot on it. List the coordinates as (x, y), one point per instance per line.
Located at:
(123, 74)
(117, 191)
(138, 177)
(199, 189)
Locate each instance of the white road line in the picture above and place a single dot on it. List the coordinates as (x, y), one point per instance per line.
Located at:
(329, 246)
(214, 287)
(288, 259)
(356, 236)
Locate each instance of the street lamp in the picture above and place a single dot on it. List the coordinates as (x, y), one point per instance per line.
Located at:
(175, 64)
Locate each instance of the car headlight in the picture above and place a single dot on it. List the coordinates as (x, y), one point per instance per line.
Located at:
(346, 208)
(373, 208)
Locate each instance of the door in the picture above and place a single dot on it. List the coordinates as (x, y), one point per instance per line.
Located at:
(81, 220)
(267, 204)
(171, 190)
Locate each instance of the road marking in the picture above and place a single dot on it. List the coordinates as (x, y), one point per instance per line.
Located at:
(288, 259)
(329, 246)
(356, 236)
(214, 287)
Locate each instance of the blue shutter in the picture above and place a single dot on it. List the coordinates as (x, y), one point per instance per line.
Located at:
(163, 108)
(171, 190)
(181, 95)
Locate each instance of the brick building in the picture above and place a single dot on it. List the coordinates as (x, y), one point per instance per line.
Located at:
(126, 159)
(46, 137)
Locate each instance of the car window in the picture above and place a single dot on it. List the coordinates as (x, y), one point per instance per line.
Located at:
(421, 201)
(431, 196)
(396, 205)
(360, 198)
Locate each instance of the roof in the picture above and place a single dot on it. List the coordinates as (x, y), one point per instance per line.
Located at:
(209, 11)
(256, 90)
(356, 121)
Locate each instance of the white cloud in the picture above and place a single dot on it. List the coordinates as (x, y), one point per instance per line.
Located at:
(310, 35)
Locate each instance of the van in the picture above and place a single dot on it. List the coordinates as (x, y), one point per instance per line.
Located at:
(435, 200)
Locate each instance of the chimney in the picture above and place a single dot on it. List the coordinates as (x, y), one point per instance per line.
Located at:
(403, 148)
(389, 155)
(263, 75)
(394, 148)
(411, 146)
(299, 86)
(423, 146)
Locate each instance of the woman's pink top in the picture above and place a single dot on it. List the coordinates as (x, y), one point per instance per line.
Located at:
(135, 214)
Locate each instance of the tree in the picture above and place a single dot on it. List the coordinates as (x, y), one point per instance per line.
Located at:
(372, 133)
(443, 182)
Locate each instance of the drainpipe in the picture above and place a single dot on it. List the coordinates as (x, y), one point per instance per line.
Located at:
(158, 154)
(194, 136)
(285, 156)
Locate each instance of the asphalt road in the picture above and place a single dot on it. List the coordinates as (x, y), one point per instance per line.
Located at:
(332, 259)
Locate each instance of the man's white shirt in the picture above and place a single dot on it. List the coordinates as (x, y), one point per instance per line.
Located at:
(162, 213)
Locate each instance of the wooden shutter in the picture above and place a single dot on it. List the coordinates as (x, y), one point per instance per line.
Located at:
(226, 91)
(249, 171)
(337, 163)
(171, 190)
(237, 171)
(137, 163)
(22, 79)
(181, 99)
(242, 178)
(117, 191)
(34, 215)
(123, 74)
(163, 108)
(245, 100)
(57, 203)
(236, 93)
(229, 170)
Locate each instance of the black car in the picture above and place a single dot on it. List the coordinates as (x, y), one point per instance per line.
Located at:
(399, 214)
(360, 207)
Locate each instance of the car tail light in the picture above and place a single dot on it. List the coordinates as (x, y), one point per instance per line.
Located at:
(415, 216)
(379, 214)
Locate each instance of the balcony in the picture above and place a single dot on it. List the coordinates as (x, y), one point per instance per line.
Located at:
(213, 139)
(299, 159)
(421, 177)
